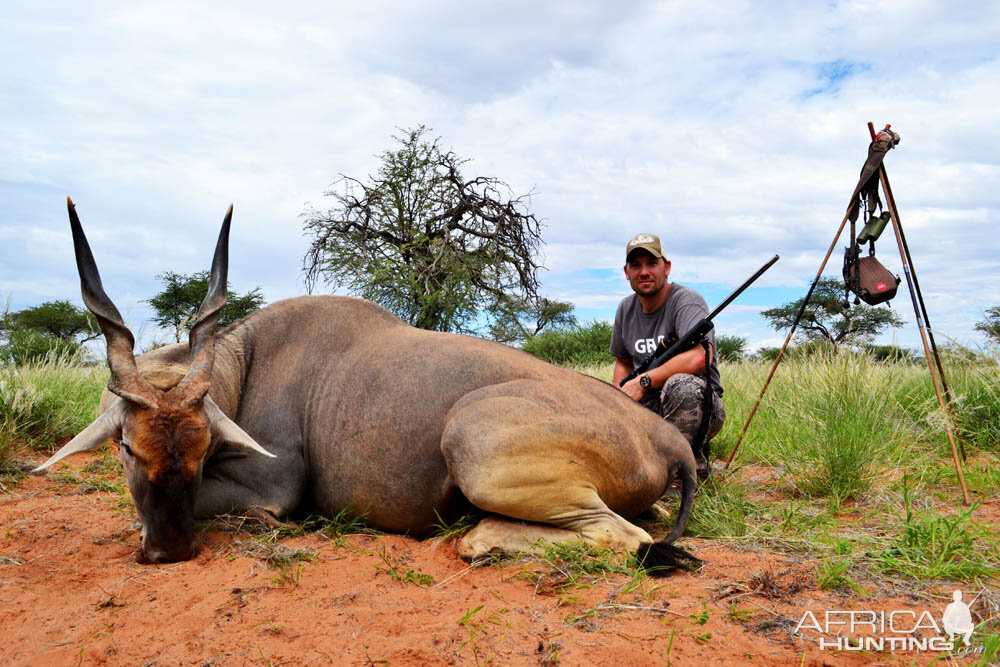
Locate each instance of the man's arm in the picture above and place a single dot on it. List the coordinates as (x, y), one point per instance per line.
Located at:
(623, 366)
(692, 362)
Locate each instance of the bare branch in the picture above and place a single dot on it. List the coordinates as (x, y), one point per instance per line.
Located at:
(430, 245)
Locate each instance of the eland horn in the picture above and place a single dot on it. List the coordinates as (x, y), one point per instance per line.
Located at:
(201, 340)
(125, 379)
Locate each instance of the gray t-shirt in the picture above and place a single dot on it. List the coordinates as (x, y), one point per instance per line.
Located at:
(637, 334)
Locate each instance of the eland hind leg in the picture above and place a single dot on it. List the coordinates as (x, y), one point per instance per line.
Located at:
(596, 526)
(511, 456)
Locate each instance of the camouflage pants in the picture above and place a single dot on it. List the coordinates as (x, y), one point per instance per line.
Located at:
(680, 403)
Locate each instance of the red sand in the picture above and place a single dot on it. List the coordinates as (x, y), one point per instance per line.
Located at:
(71, 592)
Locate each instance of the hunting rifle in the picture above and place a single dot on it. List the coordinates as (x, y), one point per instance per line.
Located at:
(667, 349)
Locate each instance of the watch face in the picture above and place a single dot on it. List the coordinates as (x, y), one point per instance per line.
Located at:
(644, 382)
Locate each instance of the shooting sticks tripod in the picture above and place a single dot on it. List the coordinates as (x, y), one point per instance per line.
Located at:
(920, 311)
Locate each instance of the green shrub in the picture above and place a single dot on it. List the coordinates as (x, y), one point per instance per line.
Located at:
(730, 348)
(890, 353)
(768, 354)
(580, 345)
(27, 345)
(811, 348)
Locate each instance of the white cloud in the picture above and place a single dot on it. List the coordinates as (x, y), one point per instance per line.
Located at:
(733, 130)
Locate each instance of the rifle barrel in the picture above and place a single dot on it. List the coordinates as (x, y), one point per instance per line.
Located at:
(743, 287)
(664, 351)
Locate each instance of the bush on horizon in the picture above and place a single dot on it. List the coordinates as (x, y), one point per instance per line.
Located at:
(582, 345)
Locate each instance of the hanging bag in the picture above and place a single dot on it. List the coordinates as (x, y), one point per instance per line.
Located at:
(872, 282)
(865, 276)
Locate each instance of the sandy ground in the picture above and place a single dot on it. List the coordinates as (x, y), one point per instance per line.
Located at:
(71, 593)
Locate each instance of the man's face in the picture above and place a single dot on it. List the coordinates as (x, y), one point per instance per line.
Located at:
(646, 274)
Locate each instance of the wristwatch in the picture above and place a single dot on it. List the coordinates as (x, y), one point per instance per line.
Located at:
(645, 382)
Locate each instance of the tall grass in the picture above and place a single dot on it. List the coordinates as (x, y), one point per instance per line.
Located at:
(44, 401)
(837, 423)
(976, 391)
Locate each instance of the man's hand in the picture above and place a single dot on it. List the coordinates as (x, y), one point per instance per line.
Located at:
(633, 389)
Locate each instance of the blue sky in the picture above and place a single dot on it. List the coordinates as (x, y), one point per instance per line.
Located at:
(733, 130)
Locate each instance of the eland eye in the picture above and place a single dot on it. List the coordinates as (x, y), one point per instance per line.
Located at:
(125, 448)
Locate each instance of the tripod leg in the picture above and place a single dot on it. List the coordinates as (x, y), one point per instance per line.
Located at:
(788, 338)
(890, 201)
(894, 215)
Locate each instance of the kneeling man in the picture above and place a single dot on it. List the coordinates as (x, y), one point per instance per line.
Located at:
(662, 310)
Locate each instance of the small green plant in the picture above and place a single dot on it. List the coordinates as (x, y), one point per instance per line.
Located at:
(11, 471)
(446, 531)
(472, 628)
(373, 661)
(670, 645)
(981, 477)
(478, 625)
(398, 570)
(933, 546)
(569, 568)
(701, 618)
(266, 547)
(638, 584)
(831, 574)
(107, 632)
(87, 483)
(789, 516)
(347, 521)
(123, 504)
(697, 622)
(740, 615)
(991, 651)
(107, 464)
(840, 546)
(289, 576)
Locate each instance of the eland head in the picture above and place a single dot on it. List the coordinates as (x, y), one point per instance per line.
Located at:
(166, 434)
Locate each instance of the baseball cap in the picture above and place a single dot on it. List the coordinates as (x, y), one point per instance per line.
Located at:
(647, 242)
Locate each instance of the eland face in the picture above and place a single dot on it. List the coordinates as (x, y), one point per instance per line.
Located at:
(164, 435)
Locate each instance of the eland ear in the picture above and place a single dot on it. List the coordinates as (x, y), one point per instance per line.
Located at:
(108, 425)
(226, 430)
